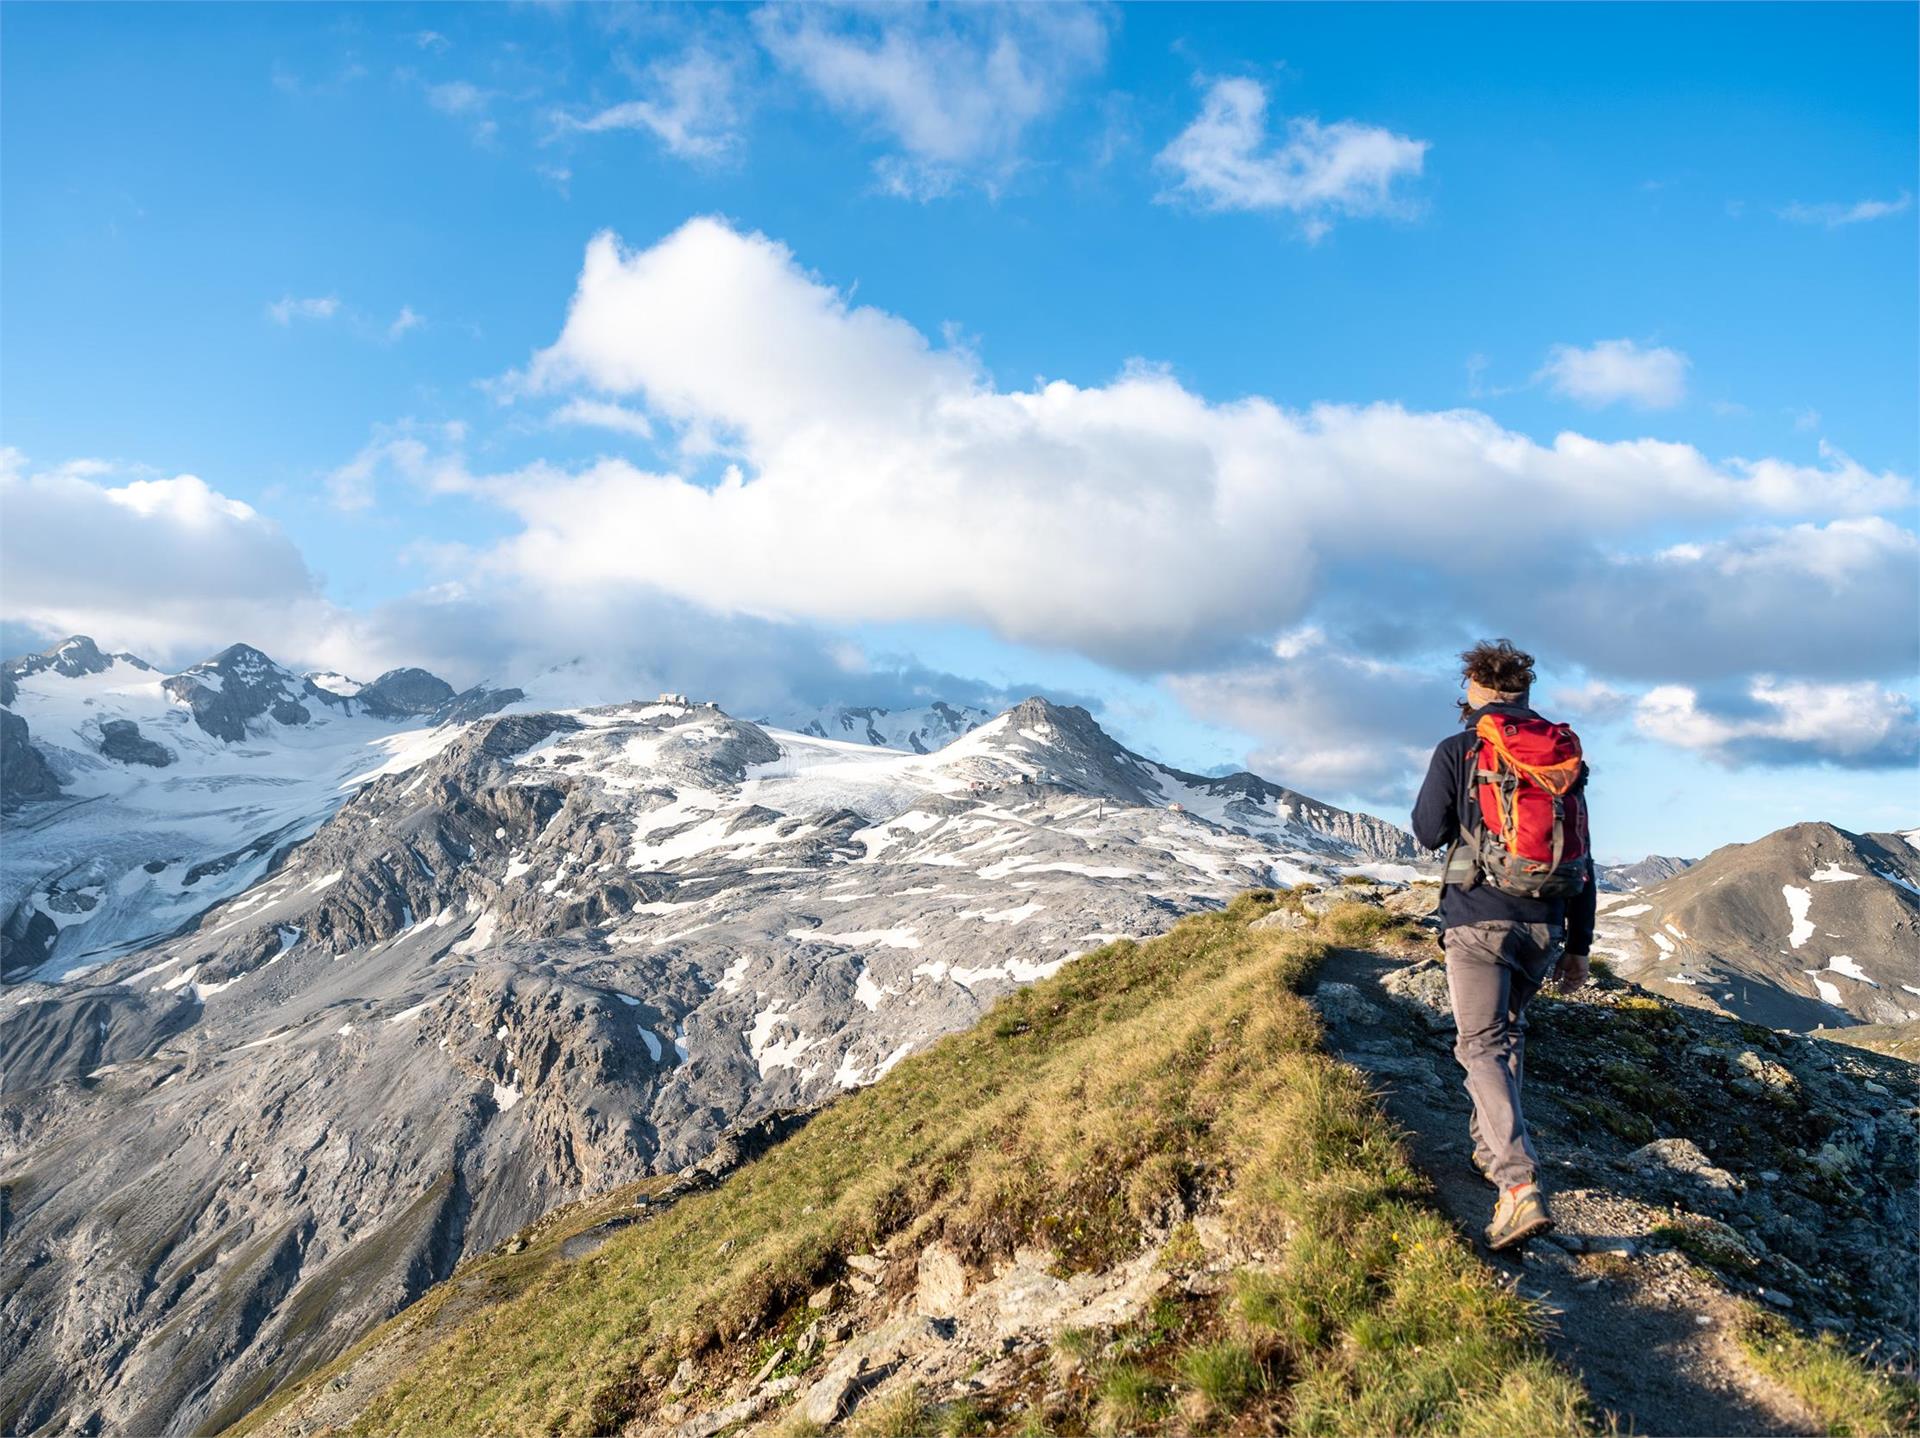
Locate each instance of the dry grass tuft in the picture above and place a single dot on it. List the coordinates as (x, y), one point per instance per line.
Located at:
(1849, 1399)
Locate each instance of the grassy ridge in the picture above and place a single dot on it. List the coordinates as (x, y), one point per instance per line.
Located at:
(1087, 1113)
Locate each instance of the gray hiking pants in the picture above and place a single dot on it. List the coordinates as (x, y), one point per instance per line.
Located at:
(1493, 971)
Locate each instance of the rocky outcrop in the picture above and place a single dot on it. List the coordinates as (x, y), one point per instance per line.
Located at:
(27, 936)
(475, 703)
(24, 775)
(70, 658)
(121, 740)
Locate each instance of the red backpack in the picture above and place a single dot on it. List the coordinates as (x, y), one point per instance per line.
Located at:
(1530, 838)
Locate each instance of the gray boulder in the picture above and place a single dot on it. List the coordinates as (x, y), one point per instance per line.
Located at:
(1423, 989)
(1284, 919)
(1343, 1004)
(1680, 1157)
(1416, 901)
(24, 775)
(121, 739)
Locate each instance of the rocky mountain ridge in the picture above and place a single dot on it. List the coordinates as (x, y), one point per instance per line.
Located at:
(528, 958)
(139, 798)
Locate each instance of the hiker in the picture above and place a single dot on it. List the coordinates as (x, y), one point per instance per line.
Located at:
(1506, 798)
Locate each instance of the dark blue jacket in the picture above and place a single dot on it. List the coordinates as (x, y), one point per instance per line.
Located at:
(1440, 815)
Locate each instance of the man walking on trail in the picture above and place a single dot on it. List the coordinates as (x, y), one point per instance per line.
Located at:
(1506, 798)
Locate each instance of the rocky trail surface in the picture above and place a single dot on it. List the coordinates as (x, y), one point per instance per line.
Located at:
(1696, 1166)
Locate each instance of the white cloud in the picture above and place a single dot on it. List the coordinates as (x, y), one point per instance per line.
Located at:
(603, 414)
(1774, 722)
(1834, 216)
(176, 570)
(400, 451)
(1226, 160)
(288, 308)
(691, 110)
(1832, 600)
(1612, 371)
(1596, 700)
(149, 563)
(407, 319)
(956, 89)
(1134, 522)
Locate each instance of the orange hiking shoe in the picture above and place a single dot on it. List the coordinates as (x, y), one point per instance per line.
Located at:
(1520, 1214)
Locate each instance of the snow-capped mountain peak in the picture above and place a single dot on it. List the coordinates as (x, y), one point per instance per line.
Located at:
(236, 687)
(72, 658)
(1809, 925)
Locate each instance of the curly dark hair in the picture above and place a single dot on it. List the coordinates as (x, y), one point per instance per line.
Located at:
(1495, 664)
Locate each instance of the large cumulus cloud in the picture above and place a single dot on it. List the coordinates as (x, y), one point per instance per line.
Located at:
(880, 476)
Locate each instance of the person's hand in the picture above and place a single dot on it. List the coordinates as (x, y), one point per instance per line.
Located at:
(1570, 973)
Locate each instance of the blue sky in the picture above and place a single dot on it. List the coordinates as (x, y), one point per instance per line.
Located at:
(1320, 289)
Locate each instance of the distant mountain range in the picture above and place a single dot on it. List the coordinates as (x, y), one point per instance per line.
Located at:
(1809, 926)
(918, 730)
(1641, 874)
(142, 798)
(137, 799)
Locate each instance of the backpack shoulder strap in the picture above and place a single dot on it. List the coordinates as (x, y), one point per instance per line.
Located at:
(1461, 867)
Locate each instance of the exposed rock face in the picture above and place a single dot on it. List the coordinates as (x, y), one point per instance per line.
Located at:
(558, 952)
(121, 739)
(401, 692)
(1809, 926)
(396, 694)
(475, 703)
(1246, 795)
(236, 686)
(24, 775)
(1241, 800)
